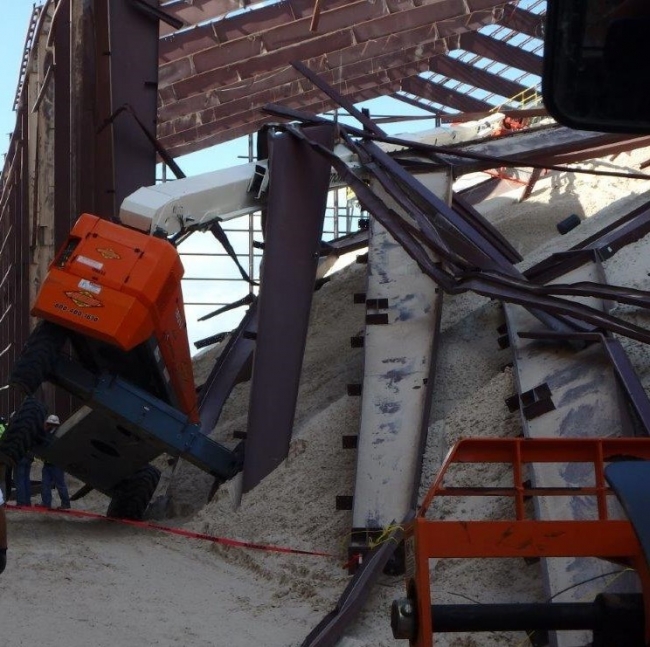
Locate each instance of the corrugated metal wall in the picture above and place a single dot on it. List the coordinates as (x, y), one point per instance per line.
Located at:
(75, 148)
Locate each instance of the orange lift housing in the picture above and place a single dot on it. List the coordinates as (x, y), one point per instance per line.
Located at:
(122, 288)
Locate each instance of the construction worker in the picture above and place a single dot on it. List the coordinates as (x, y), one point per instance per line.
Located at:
(52, 475)
(22, 480)
(5, 470)
(3, 534)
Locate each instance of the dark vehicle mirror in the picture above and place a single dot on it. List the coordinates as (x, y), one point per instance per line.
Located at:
(596, 71)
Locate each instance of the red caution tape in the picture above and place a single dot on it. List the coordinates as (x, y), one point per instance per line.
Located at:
(171, 531)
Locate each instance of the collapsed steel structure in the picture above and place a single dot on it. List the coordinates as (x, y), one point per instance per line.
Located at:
(92, 128)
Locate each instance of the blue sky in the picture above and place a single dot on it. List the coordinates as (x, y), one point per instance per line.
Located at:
(13, 28)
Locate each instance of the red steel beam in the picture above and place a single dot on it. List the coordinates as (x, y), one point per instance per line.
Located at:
(224, 61)
(475, 77)
(201, 110)
(522, 21)
(243, 125)
(443, 95)
(244, 97)
(501, 52)
(361, 58)
(226, 27)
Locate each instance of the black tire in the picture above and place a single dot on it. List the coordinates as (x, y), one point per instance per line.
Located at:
(38, 357)
(24, 431)
(132, 496)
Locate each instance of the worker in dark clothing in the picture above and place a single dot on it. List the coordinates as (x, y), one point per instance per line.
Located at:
(22, 480)
(3, 534)
(5, 470)
(53, 476)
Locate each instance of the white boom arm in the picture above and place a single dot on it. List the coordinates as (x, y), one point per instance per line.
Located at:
(236, 191)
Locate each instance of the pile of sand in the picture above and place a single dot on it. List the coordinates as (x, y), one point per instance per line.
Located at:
(73, 582)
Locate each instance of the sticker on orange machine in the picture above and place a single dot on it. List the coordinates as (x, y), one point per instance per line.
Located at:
(108, 253)
(91, 262)
(84, 299)
(89, 286)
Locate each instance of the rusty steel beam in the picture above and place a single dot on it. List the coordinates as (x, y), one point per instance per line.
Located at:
(464, 209)
(246, 57)
(230, 129)
(227, 27)
(607, 146)
(342, 101)
(133, 81)
(225, 103)
(501, 52)
(420, 104)
(603, 244)
(522, 21)
(507, 285)
(360, 59)
(242, 101)
(328, 632)
(530, 185)
(202, 110)
(523, 113)
(545, 147)
(440, 94)
(286, 23)
(196, 76)
(195, 100)
(475, 77)
(63, 215)
(286, 34)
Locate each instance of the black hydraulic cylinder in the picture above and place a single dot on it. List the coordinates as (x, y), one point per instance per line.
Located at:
(610, 617)
(513, 617)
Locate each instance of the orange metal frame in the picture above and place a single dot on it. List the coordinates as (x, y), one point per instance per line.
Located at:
(604, 538)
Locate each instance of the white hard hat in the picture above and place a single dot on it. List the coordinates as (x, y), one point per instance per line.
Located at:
(53, 420)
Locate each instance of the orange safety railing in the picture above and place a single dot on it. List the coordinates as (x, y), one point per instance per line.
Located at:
(606, 538)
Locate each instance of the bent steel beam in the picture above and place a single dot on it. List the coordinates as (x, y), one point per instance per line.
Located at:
(296, 208)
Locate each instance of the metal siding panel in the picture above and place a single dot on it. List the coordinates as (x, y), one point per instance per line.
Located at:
(134, 77)
(63, 217)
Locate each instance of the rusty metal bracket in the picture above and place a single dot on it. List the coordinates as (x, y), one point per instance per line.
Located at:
(533, 402)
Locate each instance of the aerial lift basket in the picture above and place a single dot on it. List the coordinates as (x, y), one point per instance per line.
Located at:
(619, 463)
